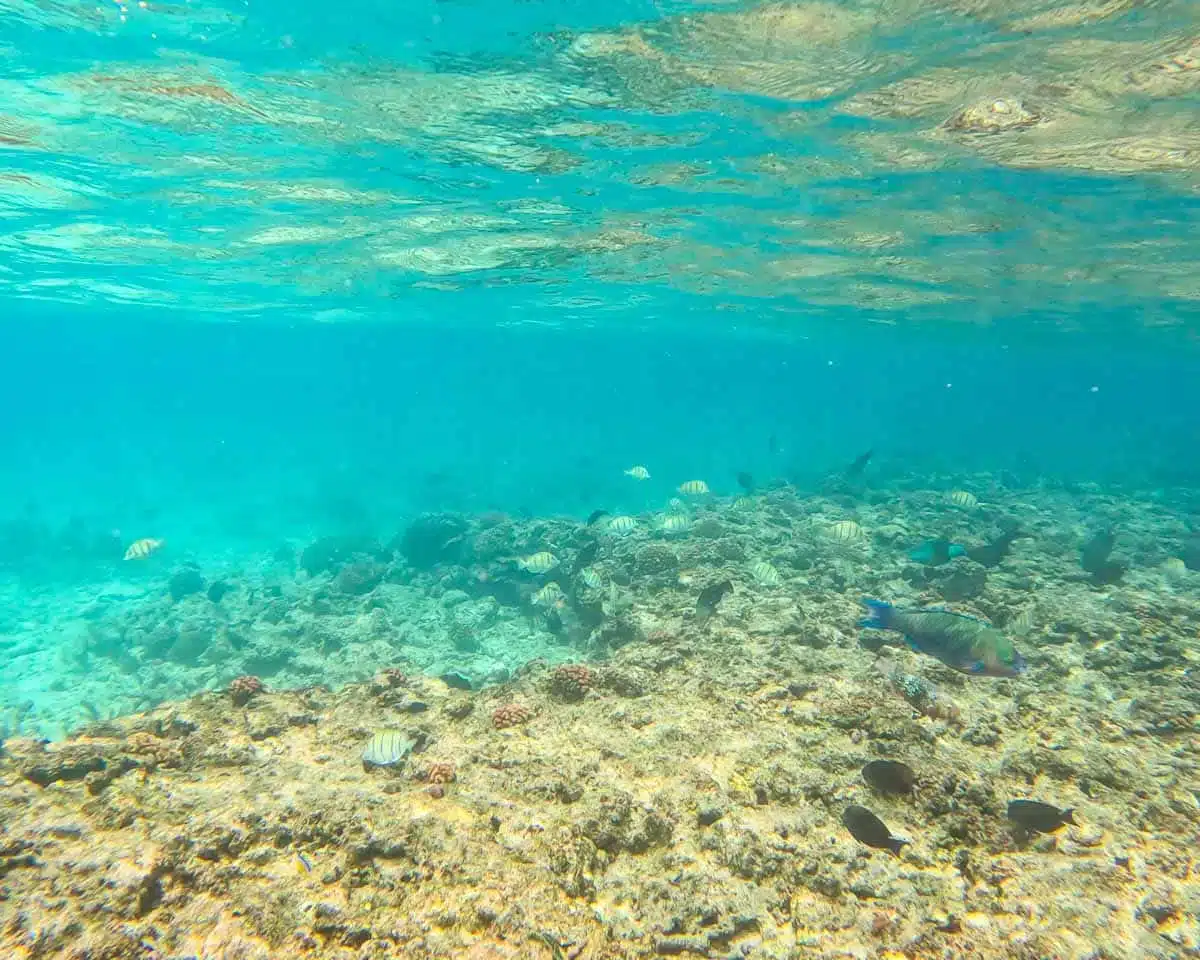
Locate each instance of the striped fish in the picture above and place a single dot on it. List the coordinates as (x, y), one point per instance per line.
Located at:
(963, 498)
(694, 487)
(638, 473)
(621, 524)
(1022, 623)
(387, 748)
(140, 549)
(765, 574)
(538, 562)
(845, 530)
(675, 523)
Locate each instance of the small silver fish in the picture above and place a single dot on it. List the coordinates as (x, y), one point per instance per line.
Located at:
(387, 748)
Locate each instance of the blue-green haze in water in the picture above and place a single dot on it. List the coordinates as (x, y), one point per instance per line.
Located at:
(271, 271)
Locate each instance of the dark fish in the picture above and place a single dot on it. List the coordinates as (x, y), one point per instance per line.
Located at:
(1094, 557)
(745, 481)
(217, 589)
(1039, 817)
(993, 552)
(1190, 553)
(585, 556)
(889, 776)
(959, 641)
(867, 828)
(710, 596)
(859, 464)
(1096, 550)
(596, 515)
(934, 553)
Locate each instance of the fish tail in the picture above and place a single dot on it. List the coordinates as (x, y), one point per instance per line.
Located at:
(1068, 816)
(879, 614)
(895, 844)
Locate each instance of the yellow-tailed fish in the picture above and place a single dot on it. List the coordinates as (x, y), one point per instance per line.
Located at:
(622, 524)
(845, 530)
(693, 487)
(765, 574)
(538, 562)
(638, 473)
(140, 549)
(303, 864)
(964, 498)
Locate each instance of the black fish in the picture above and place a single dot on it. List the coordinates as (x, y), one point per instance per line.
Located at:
(1039, 817)
(867, 828)
(889, 776)
(993, 552)
(859, 464)
(459, 681)
(706, 603)
(1190, 553)
(596, 515)
(585, 556)
(217, 589)
(745, 481)
(1094, 557)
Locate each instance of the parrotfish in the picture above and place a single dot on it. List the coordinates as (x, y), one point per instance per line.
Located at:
(934, 553)
(962, 642)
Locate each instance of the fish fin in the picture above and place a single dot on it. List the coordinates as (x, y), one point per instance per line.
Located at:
(879, 614)
(1068, 816)
(895, 844)
(973, 666)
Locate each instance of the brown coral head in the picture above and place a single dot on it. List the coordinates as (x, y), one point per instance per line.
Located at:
(440, 773)
(244, 688)
(511, 715)
(572, 680)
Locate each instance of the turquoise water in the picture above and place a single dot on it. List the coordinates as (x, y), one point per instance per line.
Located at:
(275, 271)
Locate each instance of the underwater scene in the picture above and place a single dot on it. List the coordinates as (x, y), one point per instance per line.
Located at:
(499, 479)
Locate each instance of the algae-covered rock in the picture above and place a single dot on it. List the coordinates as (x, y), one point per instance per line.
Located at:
(434, 538)
(329, 553)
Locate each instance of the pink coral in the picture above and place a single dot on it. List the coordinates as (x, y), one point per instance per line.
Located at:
(511, 715)
(245, 688)
(572, 680)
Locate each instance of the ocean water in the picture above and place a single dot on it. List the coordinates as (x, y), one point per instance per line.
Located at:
(272, 272)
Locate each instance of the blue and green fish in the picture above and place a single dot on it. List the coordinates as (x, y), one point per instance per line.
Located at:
(962, 642)
(934, 553)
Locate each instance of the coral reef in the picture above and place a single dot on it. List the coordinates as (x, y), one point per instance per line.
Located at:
(637, 779)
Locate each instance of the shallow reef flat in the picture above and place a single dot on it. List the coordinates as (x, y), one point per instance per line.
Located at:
(669, 781)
